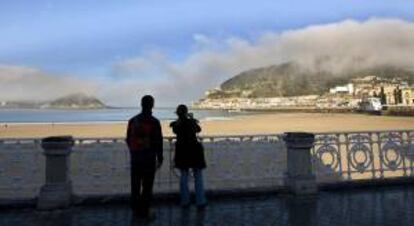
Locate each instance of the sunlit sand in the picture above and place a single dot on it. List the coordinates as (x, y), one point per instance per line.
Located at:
(252, 124)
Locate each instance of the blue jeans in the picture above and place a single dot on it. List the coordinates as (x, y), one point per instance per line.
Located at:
(198, 186)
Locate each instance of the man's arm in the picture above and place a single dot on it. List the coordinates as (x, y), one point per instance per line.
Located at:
(128, 134)
(159, 144)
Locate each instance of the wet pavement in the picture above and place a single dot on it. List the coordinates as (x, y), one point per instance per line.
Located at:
(374, 206)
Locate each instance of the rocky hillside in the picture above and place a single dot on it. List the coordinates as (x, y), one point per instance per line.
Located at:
(290, 79)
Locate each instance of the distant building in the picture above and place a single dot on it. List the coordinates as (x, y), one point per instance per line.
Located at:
(407, 95)
(367, 79)
(389, 94)
(366, 86)
(212, 91)
(347, 89)
(386, 91)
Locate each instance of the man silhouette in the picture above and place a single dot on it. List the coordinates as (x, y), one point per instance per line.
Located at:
(144, 140)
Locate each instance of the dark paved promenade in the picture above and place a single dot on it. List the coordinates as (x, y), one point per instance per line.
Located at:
(392, 206)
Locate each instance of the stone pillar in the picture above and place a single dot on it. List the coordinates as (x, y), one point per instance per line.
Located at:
(300, 178)
(57, 191)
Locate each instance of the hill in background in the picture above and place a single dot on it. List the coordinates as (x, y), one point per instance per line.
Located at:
(78, 100)
(290, 79)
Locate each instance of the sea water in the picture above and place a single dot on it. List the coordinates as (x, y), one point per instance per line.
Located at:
(100, 115)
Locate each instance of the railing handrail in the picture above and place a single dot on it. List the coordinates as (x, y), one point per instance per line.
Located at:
(365, 131)
(164, 137)
(215, 136)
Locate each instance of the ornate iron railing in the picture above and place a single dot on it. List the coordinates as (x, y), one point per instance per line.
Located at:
(363, 155)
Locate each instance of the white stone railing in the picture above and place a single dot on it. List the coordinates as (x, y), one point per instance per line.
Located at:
(100, 166)
(22, 168)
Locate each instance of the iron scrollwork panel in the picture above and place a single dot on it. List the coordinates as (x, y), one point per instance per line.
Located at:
(359, 154)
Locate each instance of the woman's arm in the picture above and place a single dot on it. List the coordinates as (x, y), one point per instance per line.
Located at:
(197, 127)
(174, 126)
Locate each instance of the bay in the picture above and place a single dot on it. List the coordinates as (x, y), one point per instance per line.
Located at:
(100, 115)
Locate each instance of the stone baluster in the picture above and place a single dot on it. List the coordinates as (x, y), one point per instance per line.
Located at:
(57, 190)
(300, 178)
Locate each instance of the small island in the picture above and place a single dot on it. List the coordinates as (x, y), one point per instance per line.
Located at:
(72, 101)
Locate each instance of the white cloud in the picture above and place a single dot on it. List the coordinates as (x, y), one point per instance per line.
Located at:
(141, 67)
(25, 83)
(334, 47)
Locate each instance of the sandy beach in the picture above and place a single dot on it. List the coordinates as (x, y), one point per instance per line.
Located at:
(252, 124)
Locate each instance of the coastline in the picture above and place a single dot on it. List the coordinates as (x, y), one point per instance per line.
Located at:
(388, 111)
(264, 123)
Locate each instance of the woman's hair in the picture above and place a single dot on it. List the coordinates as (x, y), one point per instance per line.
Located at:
(182, 110)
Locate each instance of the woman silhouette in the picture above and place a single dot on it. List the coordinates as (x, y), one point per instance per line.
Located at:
(189, 154)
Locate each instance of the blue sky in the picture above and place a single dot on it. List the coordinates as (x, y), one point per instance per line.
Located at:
(86, 38)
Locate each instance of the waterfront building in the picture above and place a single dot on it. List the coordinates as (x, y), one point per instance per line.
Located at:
(408, 96)
(347, 89)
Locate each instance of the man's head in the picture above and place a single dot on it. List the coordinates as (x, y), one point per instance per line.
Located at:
(147, 102)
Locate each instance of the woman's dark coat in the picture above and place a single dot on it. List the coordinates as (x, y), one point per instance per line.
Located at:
(189, 151)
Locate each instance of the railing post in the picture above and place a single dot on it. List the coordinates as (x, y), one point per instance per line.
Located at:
(57, 190)
(300, 178)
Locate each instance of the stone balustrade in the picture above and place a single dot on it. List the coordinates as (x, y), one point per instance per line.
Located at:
(57, 190)
(100, 166)
(300, 177)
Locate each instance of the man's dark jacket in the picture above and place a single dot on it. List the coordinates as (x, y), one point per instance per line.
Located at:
(144, 140)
